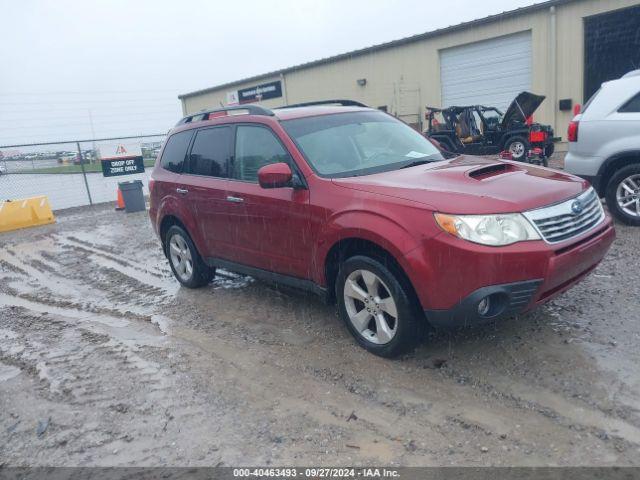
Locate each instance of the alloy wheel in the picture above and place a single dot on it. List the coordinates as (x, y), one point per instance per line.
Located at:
(628, 195)
(370, 306)
(516, 149)
(181, 257)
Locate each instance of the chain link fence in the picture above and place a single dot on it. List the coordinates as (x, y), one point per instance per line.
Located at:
(70, 173)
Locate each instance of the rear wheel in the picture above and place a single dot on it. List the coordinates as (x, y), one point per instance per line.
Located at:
(518, 148)
(186, 263)
(623, 195)
(377, 309)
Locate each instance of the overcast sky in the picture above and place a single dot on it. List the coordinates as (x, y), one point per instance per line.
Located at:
(125, 62)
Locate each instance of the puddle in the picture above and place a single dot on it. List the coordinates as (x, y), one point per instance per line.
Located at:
(44, 373)
(7, 372)
(577, 413)
(162, 322)
(228, 280)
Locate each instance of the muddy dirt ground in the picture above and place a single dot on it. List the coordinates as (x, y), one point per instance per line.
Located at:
(104, 360)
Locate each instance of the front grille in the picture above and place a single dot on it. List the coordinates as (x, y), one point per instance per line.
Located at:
(568, 219)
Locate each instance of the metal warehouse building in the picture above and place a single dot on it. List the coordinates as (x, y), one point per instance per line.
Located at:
(563, 49)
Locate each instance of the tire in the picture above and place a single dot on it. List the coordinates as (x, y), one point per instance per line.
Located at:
(549, 149)
(185, 261)
(518, 147)
(401, 332)
(614, 193)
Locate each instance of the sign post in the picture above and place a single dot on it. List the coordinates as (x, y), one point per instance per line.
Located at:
(84, 174)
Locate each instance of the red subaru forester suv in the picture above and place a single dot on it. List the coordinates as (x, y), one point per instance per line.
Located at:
(353, 204)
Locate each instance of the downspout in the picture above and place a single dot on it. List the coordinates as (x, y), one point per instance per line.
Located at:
(553, 47)
(284, 89)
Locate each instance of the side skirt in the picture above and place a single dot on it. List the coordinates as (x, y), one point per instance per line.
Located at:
(278, 278)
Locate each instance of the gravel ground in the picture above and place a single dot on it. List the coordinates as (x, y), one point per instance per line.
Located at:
(105, 361)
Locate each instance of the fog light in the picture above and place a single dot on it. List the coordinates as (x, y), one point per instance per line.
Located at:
(484, 306)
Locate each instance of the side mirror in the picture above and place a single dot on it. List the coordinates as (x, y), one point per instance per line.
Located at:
(275, 175)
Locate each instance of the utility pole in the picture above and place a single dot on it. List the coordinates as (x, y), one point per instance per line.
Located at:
(93, 135)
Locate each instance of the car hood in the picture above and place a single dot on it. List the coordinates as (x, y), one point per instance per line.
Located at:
(468, 185)
(525, 102)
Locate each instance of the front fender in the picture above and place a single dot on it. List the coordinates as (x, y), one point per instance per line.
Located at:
(366, 225)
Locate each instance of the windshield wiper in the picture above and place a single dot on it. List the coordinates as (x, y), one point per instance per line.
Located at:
(415, 163)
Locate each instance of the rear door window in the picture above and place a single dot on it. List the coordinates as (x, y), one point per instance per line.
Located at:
(210, 153)
(255, 148)
(175, 151)
(632, 106)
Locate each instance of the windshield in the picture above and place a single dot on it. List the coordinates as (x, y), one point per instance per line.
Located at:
(359, 143)
(492, 117)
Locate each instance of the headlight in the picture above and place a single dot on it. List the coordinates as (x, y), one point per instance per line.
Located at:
(499, 229)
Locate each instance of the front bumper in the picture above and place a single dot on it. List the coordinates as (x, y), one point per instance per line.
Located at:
(507, 300)
(518, 277)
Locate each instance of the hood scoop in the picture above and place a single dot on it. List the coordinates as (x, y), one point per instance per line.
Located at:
(491, 171)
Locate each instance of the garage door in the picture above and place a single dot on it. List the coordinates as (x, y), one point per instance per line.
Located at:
(491, 72)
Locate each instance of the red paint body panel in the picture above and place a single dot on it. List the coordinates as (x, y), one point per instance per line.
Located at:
(446, 269)
(290, 231)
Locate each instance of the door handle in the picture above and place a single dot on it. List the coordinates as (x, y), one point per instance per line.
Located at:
(234, 199)
(182, 191)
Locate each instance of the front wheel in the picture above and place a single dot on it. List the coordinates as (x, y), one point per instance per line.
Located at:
(377, 308)
(518, 148)
(186, 263)
(623, 195)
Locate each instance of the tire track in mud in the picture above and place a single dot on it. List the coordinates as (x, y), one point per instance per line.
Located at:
(490, 419)
(570, 414)
(150, 273)
(110, 387)
(401, 426)
(56, 270)
(70, 359)
(253, 375)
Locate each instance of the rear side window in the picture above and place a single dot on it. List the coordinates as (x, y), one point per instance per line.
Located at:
(255, 148)
(175, 151)
(632, 106)
(210, 152)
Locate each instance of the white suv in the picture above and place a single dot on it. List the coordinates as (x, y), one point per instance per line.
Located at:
(604, 145)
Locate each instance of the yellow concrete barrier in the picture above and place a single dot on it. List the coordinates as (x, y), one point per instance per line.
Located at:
(25, 212)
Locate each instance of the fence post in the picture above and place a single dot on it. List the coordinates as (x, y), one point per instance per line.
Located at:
(84, 174)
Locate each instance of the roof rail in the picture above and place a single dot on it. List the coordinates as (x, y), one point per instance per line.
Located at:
(205, 114)
(344, 103)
